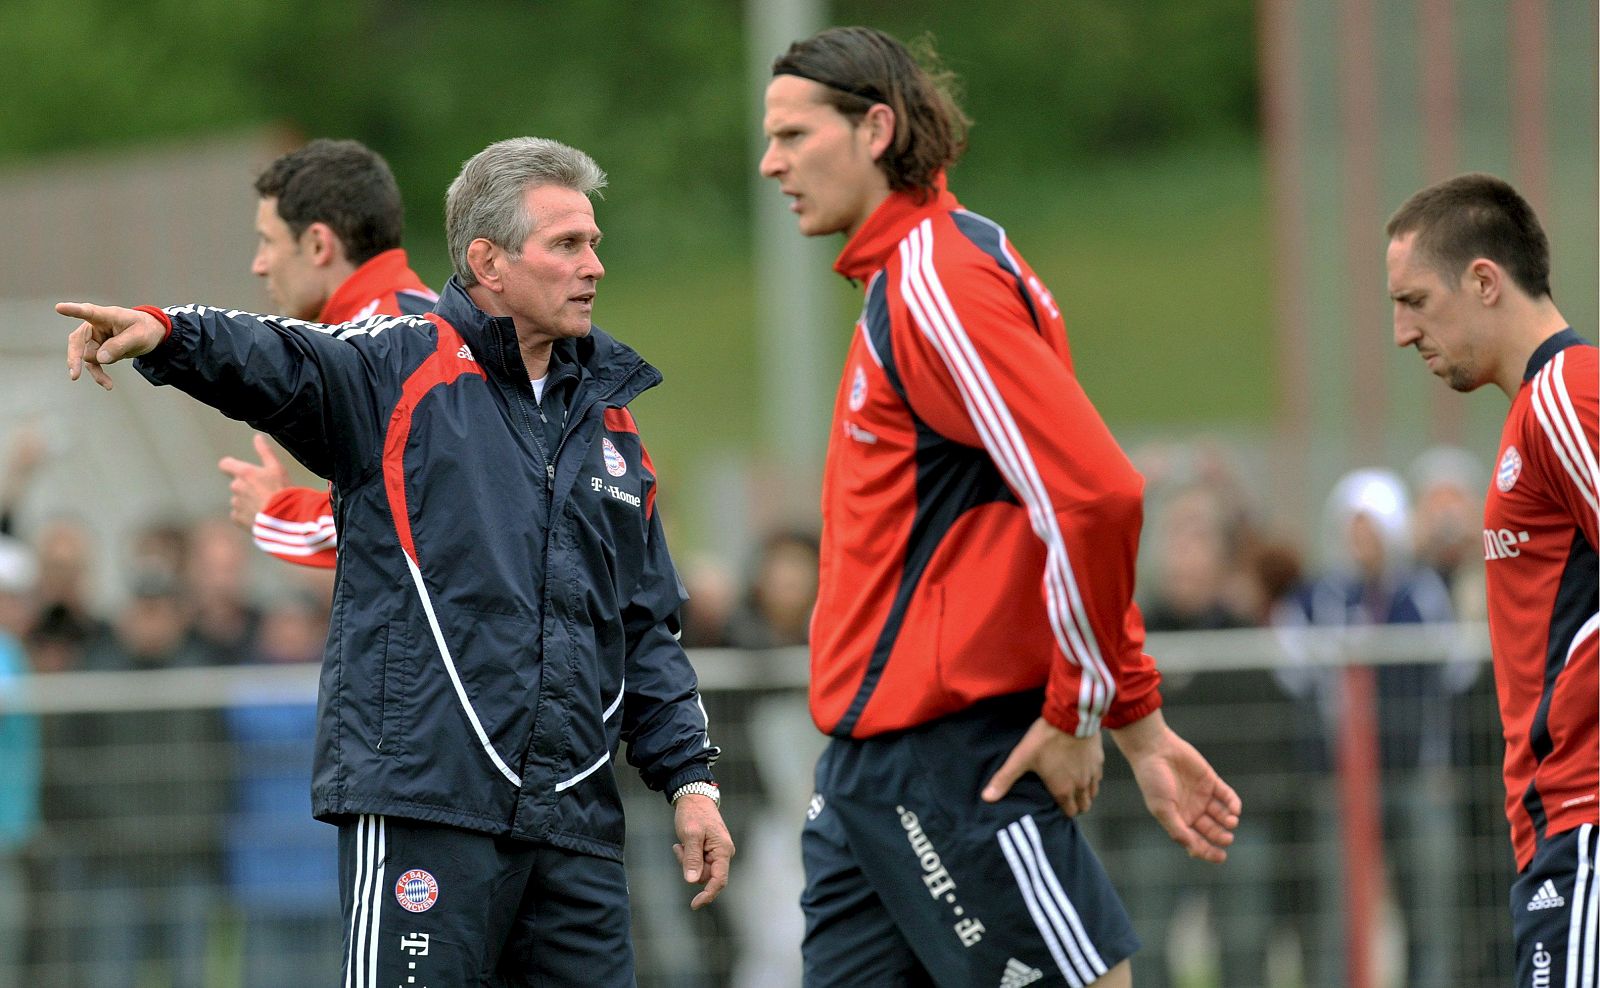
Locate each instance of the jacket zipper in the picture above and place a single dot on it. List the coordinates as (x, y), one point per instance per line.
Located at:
(574, 417)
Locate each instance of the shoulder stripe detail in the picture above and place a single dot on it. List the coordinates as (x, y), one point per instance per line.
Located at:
(366, 327)
(1000, 233)
(1553, 407)
(1053, 913)
(925, 296)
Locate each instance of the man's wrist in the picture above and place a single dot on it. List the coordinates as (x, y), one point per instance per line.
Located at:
(710, 790)
(160, 316)
(1140, 736)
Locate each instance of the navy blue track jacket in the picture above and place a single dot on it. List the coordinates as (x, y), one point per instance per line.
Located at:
(502, 618)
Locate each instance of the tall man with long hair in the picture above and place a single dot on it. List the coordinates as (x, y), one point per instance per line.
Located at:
(974, 629)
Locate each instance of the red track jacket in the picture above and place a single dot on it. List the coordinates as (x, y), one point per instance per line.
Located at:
(1539, 538)
(296, 524)
(979, 522)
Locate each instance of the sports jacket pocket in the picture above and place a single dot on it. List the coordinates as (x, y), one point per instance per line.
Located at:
(399, 665)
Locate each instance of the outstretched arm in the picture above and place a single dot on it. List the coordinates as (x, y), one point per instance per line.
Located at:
(1181, 789)
(293, 380)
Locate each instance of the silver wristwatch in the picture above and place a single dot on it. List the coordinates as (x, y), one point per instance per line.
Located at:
(707, 789)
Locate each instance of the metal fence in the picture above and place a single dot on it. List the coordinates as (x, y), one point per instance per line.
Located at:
(174, 844)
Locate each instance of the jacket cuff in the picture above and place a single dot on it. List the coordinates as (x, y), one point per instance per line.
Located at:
(1122, 716)
(166, 320)
(1065, 718)
(698, 772)
(1060, 716)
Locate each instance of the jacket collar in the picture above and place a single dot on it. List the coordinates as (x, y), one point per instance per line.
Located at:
(383, 274)
(602, 360)
(1549, 348)
(881, 234)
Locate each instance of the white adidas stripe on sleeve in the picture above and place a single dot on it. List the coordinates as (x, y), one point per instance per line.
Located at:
(925, 297)
(1552, 405)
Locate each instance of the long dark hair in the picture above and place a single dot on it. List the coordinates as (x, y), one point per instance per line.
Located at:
(861, 67)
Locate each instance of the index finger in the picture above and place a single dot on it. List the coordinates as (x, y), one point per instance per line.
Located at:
(78, 310)
(1006, 776)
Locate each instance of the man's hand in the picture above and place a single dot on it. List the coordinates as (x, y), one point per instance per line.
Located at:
(1181, 789)
(704, 849)
(1069, 766)
(107, 334)
(253, 483)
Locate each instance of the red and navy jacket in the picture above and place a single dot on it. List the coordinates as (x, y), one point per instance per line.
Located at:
(1539, 538)
(296, 523)
(501, 619)
(979, 522)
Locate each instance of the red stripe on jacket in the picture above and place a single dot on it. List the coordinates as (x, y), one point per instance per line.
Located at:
(443, 367)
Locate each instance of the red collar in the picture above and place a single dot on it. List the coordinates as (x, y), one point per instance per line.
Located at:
(383, 274)
(870, 248)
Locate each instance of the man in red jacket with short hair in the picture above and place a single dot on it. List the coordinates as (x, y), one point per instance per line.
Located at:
(974, 626)
(328, 233)
(1469, 275)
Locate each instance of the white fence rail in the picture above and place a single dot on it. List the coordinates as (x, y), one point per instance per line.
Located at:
(172, 842)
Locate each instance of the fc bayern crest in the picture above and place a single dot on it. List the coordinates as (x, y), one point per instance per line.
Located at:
(858, 390)
(1505, 476)
(417, 891)
(616, 466)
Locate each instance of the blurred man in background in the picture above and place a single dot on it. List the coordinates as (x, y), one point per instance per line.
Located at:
(1370, 579)
(328, 231)
(974, 621)
(1469, 275)
(1448, 482)
(507, 604)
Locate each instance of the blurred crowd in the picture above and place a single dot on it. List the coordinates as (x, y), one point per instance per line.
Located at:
(96, 837)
